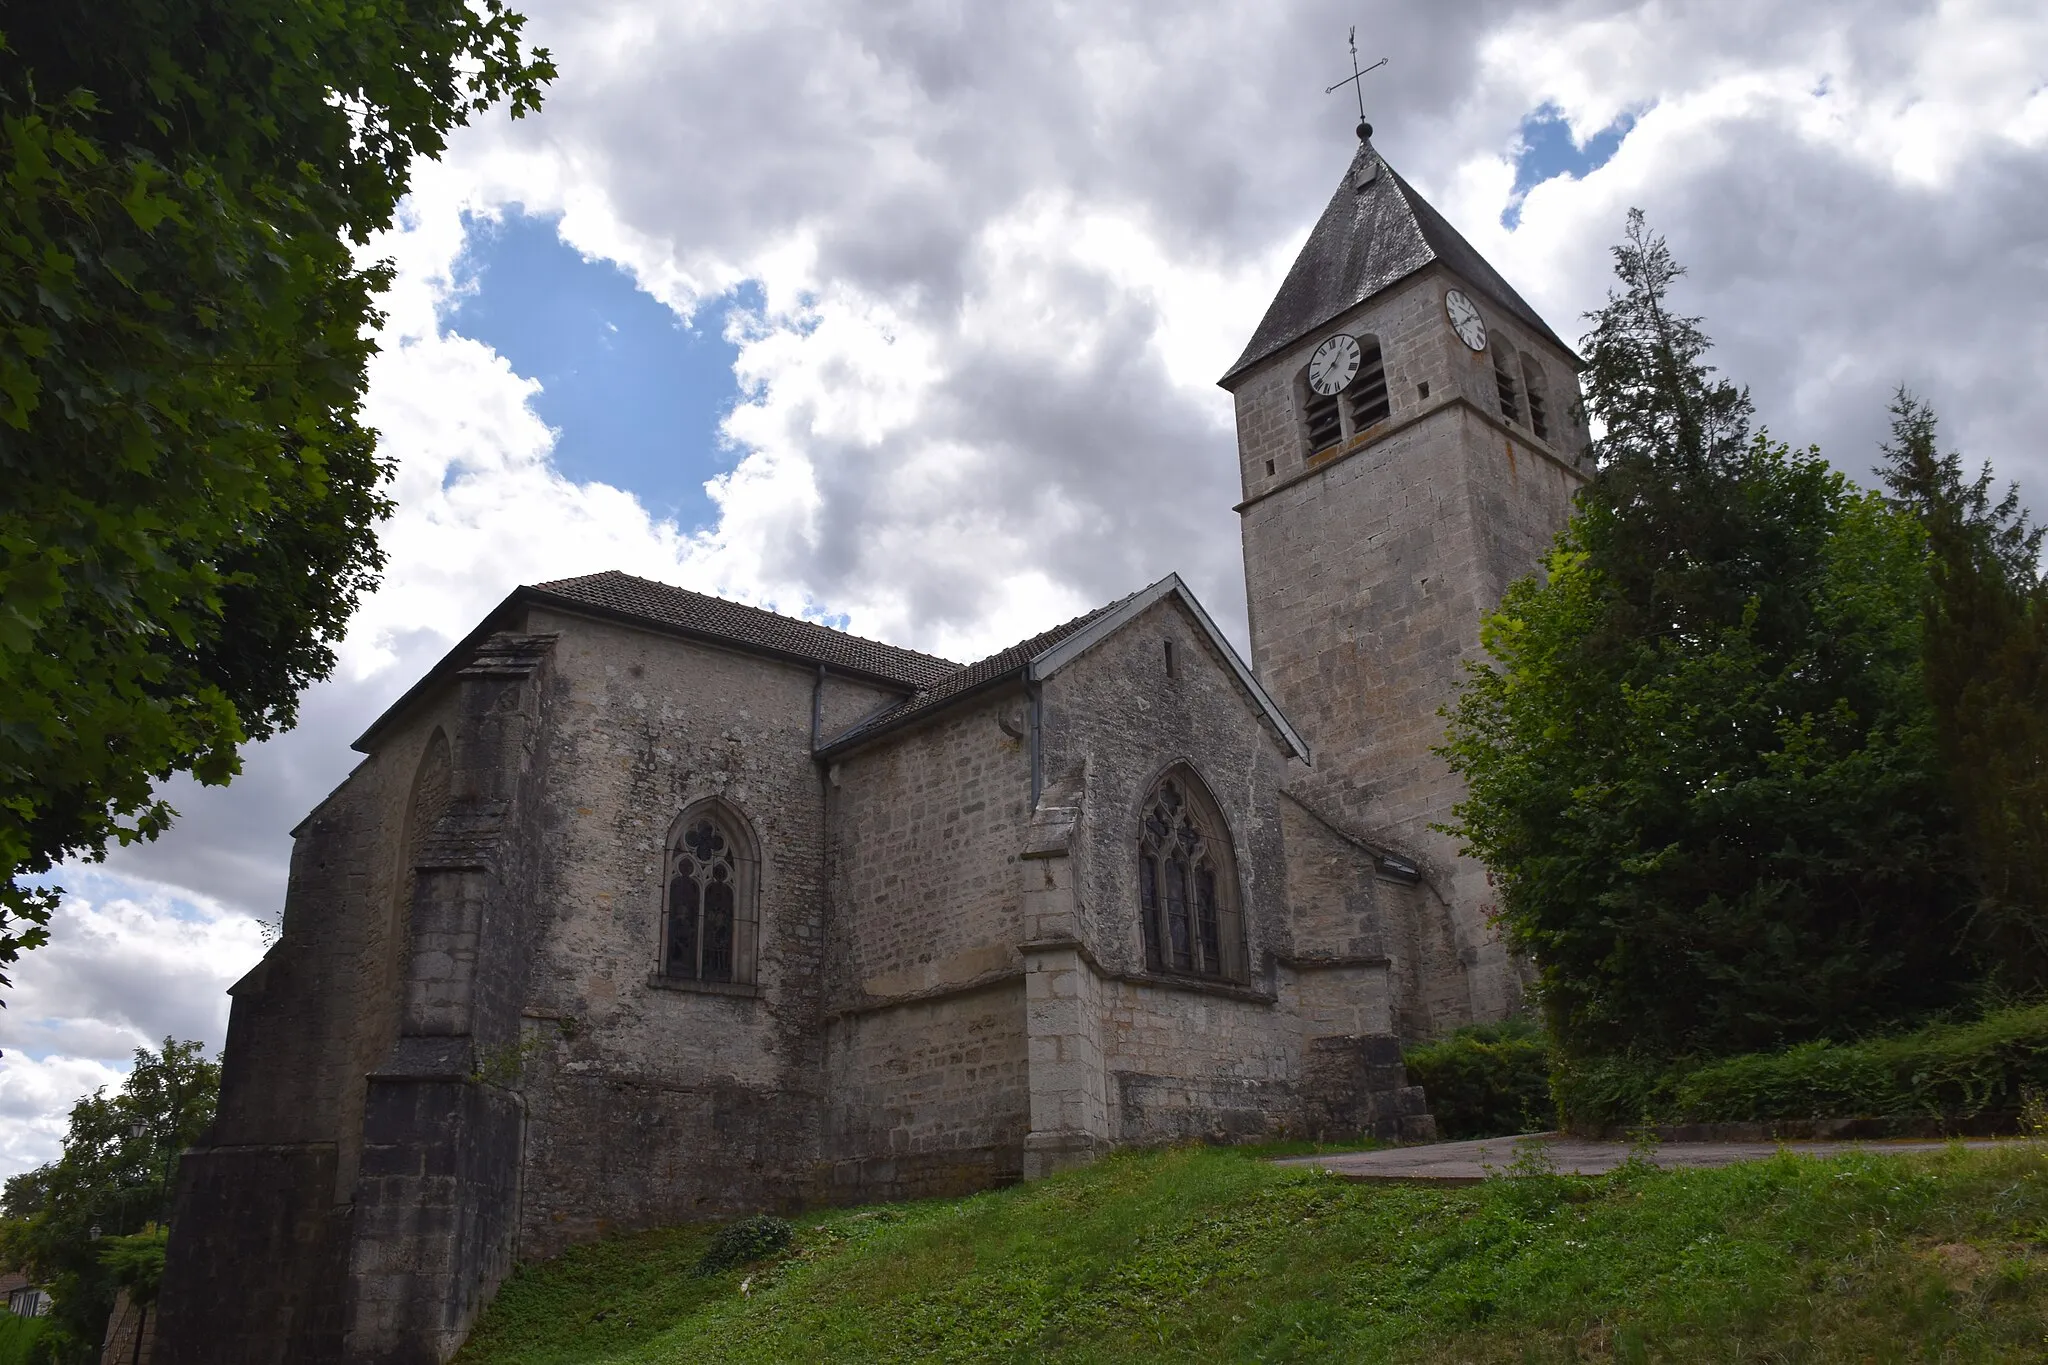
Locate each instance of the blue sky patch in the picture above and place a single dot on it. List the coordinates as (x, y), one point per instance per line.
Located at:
(1547, 151)
(635, 395)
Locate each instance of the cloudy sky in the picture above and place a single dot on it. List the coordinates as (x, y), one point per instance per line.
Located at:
(907, 316)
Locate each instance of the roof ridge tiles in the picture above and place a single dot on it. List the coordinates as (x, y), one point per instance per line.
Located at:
(665, 604)
(988, 668)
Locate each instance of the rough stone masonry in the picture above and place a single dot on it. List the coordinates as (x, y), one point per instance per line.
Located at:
(644, 906)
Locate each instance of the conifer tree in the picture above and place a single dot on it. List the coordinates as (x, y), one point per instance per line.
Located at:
(1700, 760)
(1986, 651)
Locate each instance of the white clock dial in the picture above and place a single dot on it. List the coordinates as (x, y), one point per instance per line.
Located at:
(1465, 319)
(1334, 365)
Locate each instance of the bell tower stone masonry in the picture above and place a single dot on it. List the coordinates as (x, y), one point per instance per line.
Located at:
(1410, 438)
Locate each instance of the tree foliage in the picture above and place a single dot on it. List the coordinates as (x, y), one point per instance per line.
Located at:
(1701, 764)
(88, 1222)
(1986, 650)
(185, 319)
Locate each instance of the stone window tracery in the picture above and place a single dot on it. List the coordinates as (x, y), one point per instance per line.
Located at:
(1187, 883)
(711, 925)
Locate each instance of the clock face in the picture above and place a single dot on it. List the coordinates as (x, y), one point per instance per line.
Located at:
(1334, 365)
(1465, 319)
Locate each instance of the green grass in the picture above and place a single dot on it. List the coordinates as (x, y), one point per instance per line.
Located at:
(17, 1335)
(1200, 1254)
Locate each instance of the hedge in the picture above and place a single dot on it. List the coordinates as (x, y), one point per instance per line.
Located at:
(1981, 1071)
(1487, 1080)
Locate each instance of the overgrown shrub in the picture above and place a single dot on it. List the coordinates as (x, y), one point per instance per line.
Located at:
(1486, 1080)
(18, 1337)
(750, 1239)
(137, 1263)
(1953, 1072)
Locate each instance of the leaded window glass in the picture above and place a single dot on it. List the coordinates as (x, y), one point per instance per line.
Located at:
(1187, 883)
(712, 871)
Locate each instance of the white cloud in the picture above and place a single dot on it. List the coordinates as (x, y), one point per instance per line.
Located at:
(1003, 250)
(128, 965)
(35, 1104)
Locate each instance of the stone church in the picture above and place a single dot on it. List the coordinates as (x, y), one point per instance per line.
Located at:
(644, 906)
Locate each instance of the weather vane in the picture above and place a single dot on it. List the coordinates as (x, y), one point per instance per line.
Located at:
(1357, 78)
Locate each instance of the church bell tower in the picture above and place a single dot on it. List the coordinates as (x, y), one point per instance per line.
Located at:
(1410, 437)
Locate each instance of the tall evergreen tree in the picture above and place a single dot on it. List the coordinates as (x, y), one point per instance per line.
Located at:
(1986, 650)
(1700, 761)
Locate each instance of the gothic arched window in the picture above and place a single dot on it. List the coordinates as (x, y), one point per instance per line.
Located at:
(711, 898)
(432, 784)
(1187, 882)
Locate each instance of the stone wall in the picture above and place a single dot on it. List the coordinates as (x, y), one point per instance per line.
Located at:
(261, 1220)
(925, 1035)
(1113, 723)
(435, 1213)
(1368, 568)
(131, 1332)
(1173, 1058)
(925, 829)
(950, 992)
(256, 1272)
(650, 1101)
(929, 1096)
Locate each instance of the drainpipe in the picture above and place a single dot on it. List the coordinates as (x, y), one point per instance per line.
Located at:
(1036, 707)
(817, 707)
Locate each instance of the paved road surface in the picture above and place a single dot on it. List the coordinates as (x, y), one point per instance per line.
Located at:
(1465, 1163)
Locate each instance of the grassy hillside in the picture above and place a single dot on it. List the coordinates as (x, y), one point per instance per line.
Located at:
(1198, 1254)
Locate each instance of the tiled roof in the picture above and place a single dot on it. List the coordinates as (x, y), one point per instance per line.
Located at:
(1376, 231)
(693, 612)
(996, 666)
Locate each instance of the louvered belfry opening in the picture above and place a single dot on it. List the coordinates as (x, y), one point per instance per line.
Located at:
(1532, 389)
(1504, 380)
(713, 877)
(1367, 395)
(1187, 883)
(1324, 418)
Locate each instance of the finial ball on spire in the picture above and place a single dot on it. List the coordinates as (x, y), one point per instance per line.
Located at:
(1364, 131)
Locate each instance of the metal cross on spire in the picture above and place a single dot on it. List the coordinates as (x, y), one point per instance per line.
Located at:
(1356, 79)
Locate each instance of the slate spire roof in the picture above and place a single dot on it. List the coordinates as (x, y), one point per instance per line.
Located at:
(1376, 231)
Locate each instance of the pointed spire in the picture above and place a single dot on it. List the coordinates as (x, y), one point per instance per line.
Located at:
(1376, 232)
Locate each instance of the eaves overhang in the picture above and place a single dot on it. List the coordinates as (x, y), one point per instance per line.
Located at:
(500, 618)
